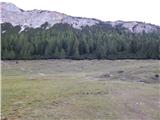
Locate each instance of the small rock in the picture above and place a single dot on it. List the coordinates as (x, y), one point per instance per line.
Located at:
(120, 71)
(106, 75)
(156, 75)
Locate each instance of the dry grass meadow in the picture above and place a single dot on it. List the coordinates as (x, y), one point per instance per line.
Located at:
(81, 90)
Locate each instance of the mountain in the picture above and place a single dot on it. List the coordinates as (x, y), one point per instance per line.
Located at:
(42, 34)
(35, 18)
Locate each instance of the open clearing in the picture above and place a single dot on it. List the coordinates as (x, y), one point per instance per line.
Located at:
(81, 90)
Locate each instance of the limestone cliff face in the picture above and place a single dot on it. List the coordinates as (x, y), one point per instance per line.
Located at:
(35, 18)
(136, 27)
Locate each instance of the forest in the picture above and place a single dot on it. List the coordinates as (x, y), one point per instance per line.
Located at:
(62, 41)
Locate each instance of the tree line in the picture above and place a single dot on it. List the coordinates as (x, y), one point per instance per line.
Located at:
(62, 41)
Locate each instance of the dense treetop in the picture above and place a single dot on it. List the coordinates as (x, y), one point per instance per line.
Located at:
(100, 41)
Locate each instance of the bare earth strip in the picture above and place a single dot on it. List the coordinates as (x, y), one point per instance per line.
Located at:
(81, 90)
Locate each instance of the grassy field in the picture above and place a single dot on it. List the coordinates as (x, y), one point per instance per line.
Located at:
(81, 90)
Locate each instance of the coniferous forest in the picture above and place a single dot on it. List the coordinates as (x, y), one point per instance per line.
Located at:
(61, 41)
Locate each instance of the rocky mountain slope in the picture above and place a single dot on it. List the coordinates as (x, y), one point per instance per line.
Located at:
(10, 13)
(35, 18)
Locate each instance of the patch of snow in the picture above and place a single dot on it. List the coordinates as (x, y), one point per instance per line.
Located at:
(22, 28)
(22, 68)
(3, 31)
(41, 74)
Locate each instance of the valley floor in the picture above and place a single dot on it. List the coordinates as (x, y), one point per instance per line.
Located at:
(81, 90)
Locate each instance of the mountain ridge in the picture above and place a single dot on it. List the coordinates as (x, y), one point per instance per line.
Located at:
(35, 18)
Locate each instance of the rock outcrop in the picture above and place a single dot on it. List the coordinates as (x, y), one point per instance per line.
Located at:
(35, 18)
